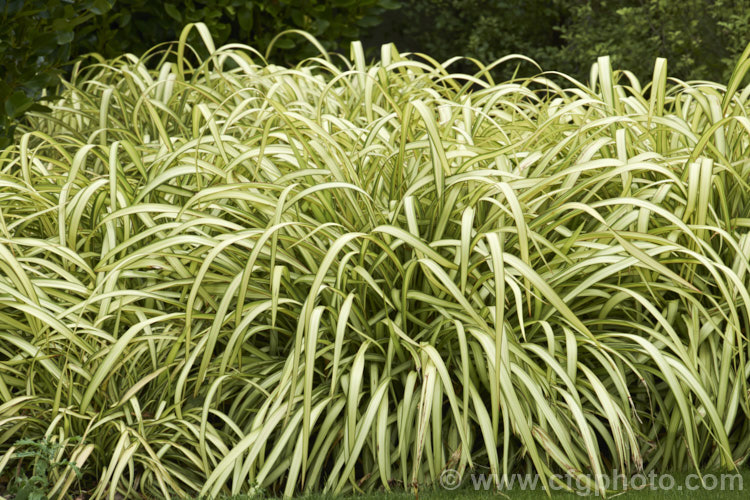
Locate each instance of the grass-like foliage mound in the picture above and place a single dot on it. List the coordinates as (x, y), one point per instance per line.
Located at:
(230, 275)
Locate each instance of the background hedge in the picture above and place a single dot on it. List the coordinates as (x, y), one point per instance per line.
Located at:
(700, 38)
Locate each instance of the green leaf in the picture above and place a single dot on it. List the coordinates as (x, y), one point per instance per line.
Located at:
(245, 18)
(17, 104)
(389, 4)
(173, 12)
(64, 37)
(368, 21)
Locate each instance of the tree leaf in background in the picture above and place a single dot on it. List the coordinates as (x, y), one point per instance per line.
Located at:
(173, 12)
(245, 17)
(17, 104)
(64, 37)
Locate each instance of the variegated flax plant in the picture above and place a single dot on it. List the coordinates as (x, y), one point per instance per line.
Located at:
(343, 276)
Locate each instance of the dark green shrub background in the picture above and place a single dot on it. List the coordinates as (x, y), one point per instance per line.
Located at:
(137, 25)
(39, 37)
(35, 42)
(700, 38)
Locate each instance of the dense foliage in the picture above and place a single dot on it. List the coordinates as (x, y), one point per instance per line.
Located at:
(479, 29)
(39, 38)
(236, 275)
(137, 25)
(35, 42)
(700, 38)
